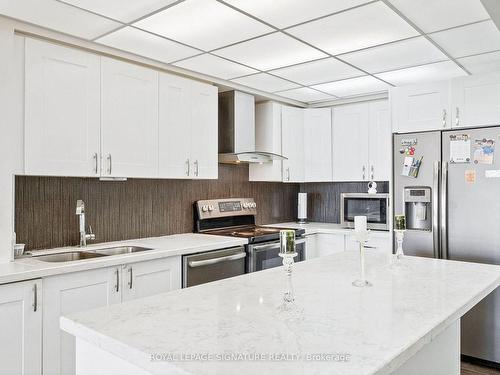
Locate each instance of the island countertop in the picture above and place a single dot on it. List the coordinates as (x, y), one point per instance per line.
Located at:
(377, 328)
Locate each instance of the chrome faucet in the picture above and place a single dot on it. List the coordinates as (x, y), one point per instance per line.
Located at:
(84, 236)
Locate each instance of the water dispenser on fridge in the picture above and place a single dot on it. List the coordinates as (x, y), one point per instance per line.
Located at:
(418, 208)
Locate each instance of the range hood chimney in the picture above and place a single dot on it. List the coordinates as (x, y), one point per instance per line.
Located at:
(237, 130)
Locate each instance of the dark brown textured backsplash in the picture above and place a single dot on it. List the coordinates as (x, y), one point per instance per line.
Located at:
(45, 206)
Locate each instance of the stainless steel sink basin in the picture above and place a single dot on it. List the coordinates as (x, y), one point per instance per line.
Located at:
(121, 250)
(68, 256)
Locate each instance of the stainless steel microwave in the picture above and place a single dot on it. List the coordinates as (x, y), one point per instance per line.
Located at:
(374, 206)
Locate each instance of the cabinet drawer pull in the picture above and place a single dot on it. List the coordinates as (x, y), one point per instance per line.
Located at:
(444, 118)
(117, 286)
(196, 168)
(457, 117)
(364, 172)
(188, 169)
(95, 163)
(372, 173)
(110, 165)
(288, 174)
(131, 278)
(35, 297)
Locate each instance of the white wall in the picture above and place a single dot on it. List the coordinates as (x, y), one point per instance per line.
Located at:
(11, 129)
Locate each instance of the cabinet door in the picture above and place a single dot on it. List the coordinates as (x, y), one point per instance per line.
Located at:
(204, 131)
(318, 145)
(152, 277)
(311, 249)
(292, 143)
(350, 142)
(129, 120)
(380, 142)
(328, 244)
(21, 328)
(476, 100)
(421, 107)
(71, 293)
(174, 127)
(62, 111)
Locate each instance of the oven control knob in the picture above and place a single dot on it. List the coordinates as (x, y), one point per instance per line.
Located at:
(210, 208)
(204, 208)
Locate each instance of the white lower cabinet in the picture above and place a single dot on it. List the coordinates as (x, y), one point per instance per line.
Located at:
(152, 277)
(21, 328)
(70, 293)
(80, 291)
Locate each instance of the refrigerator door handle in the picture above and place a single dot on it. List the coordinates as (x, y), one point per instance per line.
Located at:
(444, 211)
(435, 209)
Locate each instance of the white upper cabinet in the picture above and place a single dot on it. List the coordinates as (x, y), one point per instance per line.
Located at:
(204, 130)
(292, 143)
(21, 328)
(267, 139)
(175, 127)
(129, 120)
(318, 144)
(62, 111)
(379, 141)
(476, 100)
(421, 107)
(350, 142)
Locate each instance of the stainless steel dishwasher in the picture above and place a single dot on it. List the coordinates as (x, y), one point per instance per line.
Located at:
(214, 265)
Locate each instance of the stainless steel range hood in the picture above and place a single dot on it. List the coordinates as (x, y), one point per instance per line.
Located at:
(237, 130)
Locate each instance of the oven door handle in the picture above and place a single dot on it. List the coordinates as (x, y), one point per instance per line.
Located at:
(207, 262)
(275, 245)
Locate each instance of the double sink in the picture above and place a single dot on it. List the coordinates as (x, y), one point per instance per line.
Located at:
(70, 256)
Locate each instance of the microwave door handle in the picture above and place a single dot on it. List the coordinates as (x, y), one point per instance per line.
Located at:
(208, 262)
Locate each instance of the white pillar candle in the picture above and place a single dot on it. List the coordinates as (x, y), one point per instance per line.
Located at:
(360, 223)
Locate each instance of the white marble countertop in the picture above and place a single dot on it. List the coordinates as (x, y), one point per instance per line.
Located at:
(379, 327)
(315, 228)
(166, 246)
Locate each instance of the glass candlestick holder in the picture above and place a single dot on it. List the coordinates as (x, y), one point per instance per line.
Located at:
(399, 255)
(361, 238)
(288, 296)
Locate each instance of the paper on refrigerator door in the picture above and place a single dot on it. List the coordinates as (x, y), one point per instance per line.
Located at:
(459, 148)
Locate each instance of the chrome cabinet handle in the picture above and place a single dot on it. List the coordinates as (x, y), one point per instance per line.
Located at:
(288, 173)
(117, 286)
(35, 297)
(364, 172)
(457, 117)
(188, 169)
(110, 165)
(444, 118)
(372, 174)
(207, 262)
(196, 168)
(131, 278)
(95, 162)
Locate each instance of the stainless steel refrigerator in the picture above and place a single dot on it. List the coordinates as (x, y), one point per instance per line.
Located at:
(448, 186)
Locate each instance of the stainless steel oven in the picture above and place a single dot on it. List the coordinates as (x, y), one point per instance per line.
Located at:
(265, 255)
(214, 265)
(374, 206)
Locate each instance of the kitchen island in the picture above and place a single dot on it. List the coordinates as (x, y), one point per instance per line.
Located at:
(408, 322)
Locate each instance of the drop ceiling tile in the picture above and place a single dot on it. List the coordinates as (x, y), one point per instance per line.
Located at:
(206, 24)
(305, 94)
(485, 63)
(284, 13)
(125, 11)
(402, 54)
(271, 52)
(147, 45)
(426, 73)
(469, 40)
(57, 16)
(433, 15)
(358, 28)
(353, 86)
(319, 71)
(215, 66)
(265, 82)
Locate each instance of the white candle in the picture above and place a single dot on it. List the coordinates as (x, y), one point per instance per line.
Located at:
(360, 223)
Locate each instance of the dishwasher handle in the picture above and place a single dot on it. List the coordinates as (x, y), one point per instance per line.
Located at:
(208, 262)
